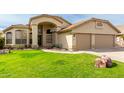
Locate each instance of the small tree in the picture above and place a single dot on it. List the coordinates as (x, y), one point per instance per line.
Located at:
(122, 36)
(2, 43)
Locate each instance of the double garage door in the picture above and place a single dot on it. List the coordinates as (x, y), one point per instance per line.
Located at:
(101, 41)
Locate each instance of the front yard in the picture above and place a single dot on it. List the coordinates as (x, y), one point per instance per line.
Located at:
(36, 64)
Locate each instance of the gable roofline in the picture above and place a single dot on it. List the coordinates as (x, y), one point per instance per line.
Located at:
(52, 16)
(16, 26)
(121, 28)
(86, 21)
(1, 32)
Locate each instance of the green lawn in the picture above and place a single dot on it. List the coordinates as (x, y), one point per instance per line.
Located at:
(36, 63)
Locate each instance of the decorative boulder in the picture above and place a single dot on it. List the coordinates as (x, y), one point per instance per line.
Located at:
(107, 60)
(99, 63)
(103, 62)
(4, 51)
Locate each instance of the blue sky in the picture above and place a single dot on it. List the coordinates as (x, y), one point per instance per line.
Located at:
(10, 19)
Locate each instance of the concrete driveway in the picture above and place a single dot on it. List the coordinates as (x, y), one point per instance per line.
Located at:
(114, 53)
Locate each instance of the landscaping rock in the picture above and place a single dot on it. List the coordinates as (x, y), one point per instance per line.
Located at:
(107, 60)
(103, 62)
(4, 51)
(99, 63)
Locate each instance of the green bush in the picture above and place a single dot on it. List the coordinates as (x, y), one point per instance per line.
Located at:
(57, 46)
(2, 43)
(122, 36)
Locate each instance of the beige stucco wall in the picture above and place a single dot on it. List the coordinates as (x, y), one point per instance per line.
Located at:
(90, 27)
(65, 40)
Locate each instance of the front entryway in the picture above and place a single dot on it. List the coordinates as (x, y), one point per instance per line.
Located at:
(46, 35)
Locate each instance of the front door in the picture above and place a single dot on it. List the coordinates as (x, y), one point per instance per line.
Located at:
(49, 38)
(40, 40)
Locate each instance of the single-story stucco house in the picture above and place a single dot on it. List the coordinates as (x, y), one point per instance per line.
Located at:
(49, 30)
(1, 34)
(120, 36)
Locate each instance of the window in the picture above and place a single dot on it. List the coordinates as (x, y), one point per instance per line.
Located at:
(21, 37)
(49, 31)
(49, 36)
(40, 29)
(8, 38)
(99, 24)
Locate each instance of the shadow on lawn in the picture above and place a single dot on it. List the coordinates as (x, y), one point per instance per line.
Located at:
(29, 55)
(60, 62)
(114, 65)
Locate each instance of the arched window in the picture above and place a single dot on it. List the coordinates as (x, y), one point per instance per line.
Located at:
(8, 38)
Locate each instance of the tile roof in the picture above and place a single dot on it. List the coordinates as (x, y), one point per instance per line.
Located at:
(85, 21)
(16, 26)
(121, 28)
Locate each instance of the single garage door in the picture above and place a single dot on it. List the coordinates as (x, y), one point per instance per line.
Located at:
(104, 41)
(83, 41)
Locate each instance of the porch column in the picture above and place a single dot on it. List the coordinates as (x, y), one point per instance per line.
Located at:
(114, 41)
(13, 37)
(44, 36)
(74, 42)
(5, 38)
(56, 38)
(34, 36)
(27, 37)
(92, 41)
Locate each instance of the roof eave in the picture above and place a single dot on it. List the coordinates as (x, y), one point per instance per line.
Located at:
(43, 15)
(10, 27)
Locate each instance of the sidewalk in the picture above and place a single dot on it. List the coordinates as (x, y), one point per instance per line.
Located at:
(114, 53)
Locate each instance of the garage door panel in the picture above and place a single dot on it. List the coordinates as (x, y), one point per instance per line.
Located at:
(104, 41)
(83, 41)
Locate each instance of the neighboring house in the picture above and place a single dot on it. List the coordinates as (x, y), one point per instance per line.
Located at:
(120, 37)
(1, 34)
(48, 30)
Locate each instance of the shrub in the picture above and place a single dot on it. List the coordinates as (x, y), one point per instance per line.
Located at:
(8, 47)
(57, 46)
(122, 36)
(2, 43)
(19, 46)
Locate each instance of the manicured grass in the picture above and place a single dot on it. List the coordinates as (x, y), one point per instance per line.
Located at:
(36, 63)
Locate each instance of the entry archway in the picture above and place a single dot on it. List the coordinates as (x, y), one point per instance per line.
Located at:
(46, 34)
